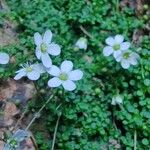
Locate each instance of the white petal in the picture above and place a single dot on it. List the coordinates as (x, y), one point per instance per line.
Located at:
(39, 67)
(113, 102)
(54, 49)
(125, 46)
(118, 58)
(69, 85)
(119, 39)
(107, 51)
(134, 58)
(54, 82)
(110, 41)
(37, 39)
(66, 66)
(21, 73)
(75, 75)
(125, 64)
(118, 99)
(133, 61)
(34, 75)
(135, 55)
(20, 70)
(20, 135)
(38, 52)
(117, 53)
(4, 58)
(46, 60)
(54, 71)
(47, 37)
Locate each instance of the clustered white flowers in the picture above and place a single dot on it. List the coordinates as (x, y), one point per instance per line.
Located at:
(120, 51)
(44, 48)
(64, 75)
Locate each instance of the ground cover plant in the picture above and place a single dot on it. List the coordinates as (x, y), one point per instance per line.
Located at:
(108, 40)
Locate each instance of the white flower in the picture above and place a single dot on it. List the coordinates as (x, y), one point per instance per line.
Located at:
(127, 58)
(115, 46)
(4, 58)
(81, 43)
(44, 47)
(64, 76)
(31, 71)
(117, 99)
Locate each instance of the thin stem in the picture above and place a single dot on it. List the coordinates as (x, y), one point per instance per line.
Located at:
(142, 69)
(58, 106)
(135, 140)
(21, 117)
(86, 32)
(38, 113)
(37, 90)
(54, 137)
(117, 6)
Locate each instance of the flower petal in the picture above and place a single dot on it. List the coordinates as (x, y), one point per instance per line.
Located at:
(4, 58)
(54, 82)
(119, 39)
(54, 49)
(117, 53)
(69, 85)
(54, 71)
(20, 135)
(118, 58)
(133, 61)
(46, 60)
(125, 64)
(34, 75)
(39, 67)
(125, 46)
(66, 66)
(75, 75)
(21, 73)
(135, 55)
(38, 52)
(107, 51)
(37, 39)
(47, 37)
(110, 41)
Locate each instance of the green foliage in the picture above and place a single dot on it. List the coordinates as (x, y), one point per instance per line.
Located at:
(88, 119)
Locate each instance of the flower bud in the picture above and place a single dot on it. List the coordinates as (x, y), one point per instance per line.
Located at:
(81, 43)
(117, 99)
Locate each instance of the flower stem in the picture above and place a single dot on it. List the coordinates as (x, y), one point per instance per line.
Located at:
(38, 113)
(21, 117)
(135, 139)
(86, 32)
(54, 137)
(142, 69)
(117, 6)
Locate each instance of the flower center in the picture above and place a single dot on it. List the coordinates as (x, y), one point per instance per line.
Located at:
(29, 69)
(43, 47)
(116, 47)
(13, 142)
(63, 76)
(126, 55)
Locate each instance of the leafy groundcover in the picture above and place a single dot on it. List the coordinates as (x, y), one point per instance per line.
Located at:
(89, 120)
